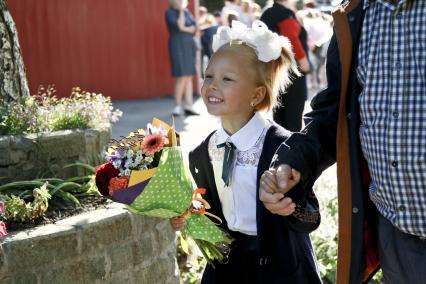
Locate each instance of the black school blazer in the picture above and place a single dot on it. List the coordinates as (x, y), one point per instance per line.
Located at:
(285, 250)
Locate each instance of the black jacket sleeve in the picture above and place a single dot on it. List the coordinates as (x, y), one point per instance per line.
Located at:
(314, 148)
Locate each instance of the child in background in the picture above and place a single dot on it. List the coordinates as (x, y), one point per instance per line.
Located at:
(243, 77)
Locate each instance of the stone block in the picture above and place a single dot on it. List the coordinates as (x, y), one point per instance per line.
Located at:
(25, 277)
(84, 271)
(122, 277)
(159, 271)
(106, 232)
(64, 144)
(17, 156)
(23, 143)
(4, 142)
(39, 153)
(5, 279)
(46, 246)
(121, 255)
(4, 174)
(5, 157)
(142, 250)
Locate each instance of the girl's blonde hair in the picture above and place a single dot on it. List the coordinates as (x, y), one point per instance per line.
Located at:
(274, 75)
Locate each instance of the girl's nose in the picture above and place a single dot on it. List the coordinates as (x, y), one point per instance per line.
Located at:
(212, 85)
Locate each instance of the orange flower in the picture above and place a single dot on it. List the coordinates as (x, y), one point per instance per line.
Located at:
(118, 183)
(152, 144)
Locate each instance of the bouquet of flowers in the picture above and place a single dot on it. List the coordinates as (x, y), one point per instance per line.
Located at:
(145, 170)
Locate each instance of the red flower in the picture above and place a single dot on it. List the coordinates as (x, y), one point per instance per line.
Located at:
(104, 173)
(152, 144)
(3, 231)
(117, 183)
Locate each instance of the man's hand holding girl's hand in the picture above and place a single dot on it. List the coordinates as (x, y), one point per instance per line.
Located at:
(178, 223)
(274, 184)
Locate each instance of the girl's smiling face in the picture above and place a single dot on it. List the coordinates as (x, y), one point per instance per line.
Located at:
(229, 87)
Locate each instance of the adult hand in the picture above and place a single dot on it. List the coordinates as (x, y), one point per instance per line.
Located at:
(178, 223)
(287, 178)
(274, 201)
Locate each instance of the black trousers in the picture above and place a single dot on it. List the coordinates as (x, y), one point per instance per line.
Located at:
(289, 113)
(242, 265)
(402, 256)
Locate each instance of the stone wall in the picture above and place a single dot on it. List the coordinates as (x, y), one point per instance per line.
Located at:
(103, 246)
(29, 156)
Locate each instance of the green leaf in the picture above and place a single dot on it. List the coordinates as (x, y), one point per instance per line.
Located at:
(88, 167)
(63, 186)
(22, 184)
(67, 196)
(79, 178)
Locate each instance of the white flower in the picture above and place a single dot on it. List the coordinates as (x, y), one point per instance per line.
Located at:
(117, 164)
(268, 45)
(139, 154)
(129, 154)
(149, 159)
(128, 163)
(127, 172)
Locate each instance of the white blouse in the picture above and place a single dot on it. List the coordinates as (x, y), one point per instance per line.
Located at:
(239, 199)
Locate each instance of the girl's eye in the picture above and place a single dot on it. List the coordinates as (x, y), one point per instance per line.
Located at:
(227, 79)
(208, 76)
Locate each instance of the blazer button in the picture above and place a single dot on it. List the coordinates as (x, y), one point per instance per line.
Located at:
(263, 261)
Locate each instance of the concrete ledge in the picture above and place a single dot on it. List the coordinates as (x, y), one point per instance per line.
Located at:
(104, 246)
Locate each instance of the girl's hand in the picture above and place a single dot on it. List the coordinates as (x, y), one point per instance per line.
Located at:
(178, 223)
(268, 181)
(272, 198)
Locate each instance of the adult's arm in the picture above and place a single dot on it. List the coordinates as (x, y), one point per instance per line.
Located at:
(181, 24)
(314, 148)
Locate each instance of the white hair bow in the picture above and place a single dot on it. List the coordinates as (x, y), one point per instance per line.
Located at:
(268, 45)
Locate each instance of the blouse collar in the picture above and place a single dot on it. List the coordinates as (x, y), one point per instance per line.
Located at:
(247, 136)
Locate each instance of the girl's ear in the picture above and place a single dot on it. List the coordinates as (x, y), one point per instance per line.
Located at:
(259, 95)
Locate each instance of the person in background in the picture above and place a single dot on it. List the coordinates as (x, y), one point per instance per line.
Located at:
(208, 30)
(282, 20)
(232, 16)
(208, 27)
(182, 51)
(230, 7)
(202, 11)
(319, 28)
(242, 79)
(246, 15)
(256, 10)
(218, 17)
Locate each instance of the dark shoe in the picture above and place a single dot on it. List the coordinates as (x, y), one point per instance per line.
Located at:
(190, 111)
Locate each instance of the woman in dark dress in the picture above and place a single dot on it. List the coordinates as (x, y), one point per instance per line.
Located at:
(181, 26)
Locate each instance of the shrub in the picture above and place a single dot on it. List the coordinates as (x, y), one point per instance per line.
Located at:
(45, 112)
(17, 210)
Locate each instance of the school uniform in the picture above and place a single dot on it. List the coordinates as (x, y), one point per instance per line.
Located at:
(268, 248)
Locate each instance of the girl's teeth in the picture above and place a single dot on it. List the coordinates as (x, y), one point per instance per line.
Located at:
(214, 100)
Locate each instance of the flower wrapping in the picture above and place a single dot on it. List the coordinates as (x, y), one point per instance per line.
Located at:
(147, 172)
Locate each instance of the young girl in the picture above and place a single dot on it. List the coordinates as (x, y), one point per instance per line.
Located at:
(243, 78)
